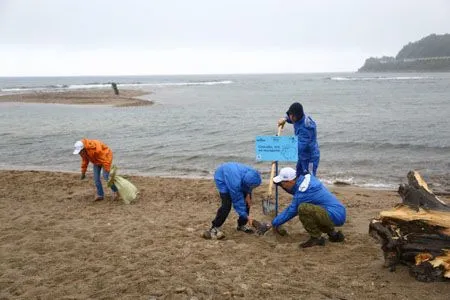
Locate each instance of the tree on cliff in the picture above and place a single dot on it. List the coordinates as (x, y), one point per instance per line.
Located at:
(430, 54)
(430, 46)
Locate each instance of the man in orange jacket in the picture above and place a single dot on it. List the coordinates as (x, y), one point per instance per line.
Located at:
(100, 155)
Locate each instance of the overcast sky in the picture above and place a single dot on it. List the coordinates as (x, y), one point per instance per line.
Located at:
(133, 37)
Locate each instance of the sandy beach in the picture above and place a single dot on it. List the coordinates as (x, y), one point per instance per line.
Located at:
(56, 243)
(81, 97)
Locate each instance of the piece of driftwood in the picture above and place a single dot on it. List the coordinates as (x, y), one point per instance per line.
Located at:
(417, 194)
(416, 232)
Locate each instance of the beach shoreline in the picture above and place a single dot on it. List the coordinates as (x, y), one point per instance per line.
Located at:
(264, 176)
(81, 97)
(58, 243)
(199, 122)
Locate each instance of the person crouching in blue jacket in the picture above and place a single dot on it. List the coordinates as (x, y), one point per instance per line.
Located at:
(317, 208)
(235, 182)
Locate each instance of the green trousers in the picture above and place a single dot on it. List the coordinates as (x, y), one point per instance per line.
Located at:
(315, 219)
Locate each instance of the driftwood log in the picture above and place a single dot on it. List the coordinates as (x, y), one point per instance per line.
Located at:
(416, 232)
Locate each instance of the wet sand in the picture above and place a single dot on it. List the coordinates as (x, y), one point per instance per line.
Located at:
(81, 97)
(56, 243)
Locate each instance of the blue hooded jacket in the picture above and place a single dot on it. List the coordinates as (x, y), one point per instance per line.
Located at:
(236, 179)
(308, 148)
(308, 189)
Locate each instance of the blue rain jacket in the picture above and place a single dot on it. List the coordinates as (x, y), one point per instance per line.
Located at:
(308, 189)
(237, 179)
(308, 148)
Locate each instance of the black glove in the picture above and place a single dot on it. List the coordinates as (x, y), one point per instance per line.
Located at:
(83, 176)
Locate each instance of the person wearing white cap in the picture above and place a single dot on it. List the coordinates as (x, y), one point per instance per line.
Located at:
(317, 208)
(100, 155)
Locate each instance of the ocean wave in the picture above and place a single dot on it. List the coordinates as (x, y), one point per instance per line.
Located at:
(194, 83)
(34, 89)
(174, 171)
(375, 78)
(359, 181)
(97, 85)
(336, 180)
(213, 146)
(382, 186)
(386, 146)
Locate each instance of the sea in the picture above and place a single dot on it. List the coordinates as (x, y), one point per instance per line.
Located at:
(372, 128)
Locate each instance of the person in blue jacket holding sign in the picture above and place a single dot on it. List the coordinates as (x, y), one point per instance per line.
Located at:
(306, 131)
(317, 208)
(235, 182)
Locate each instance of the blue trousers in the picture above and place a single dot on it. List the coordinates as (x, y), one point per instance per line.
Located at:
(98, 182)
(308, 166)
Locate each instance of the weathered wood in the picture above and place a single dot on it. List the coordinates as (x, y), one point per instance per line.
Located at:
(431, 268)
(417, 194)
(385, 235)
(430, 221)
(417, 232)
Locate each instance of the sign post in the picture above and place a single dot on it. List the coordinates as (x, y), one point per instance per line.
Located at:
(275, 149)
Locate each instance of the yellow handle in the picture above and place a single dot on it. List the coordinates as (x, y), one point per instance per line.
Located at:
(272, 171)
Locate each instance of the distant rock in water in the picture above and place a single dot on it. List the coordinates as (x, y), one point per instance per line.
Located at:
(430, 54)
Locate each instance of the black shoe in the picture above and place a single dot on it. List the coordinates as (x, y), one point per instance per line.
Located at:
(336, 237)
(245, 229)
(313, 241)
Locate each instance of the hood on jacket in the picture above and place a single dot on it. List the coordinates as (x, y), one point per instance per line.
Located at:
(251, 179)
(296, 109)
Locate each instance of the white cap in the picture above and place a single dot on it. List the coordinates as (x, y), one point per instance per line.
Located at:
(286, 174)
(78, 147)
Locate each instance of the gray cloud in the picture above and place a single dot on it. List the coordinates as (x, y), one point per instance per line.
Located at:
(365, 27)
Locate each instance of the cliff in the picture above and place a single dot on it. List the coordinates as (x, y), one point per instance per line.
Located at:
(430, 54)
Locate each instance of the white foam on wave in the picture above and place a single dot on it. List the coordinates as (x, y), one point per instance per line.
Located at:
(331, 181)
(187, 83)
(160, 84)
(32, 89)
(379, 78)
(382, 186)
(89, 86)
(108, 85)
(352, 182)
